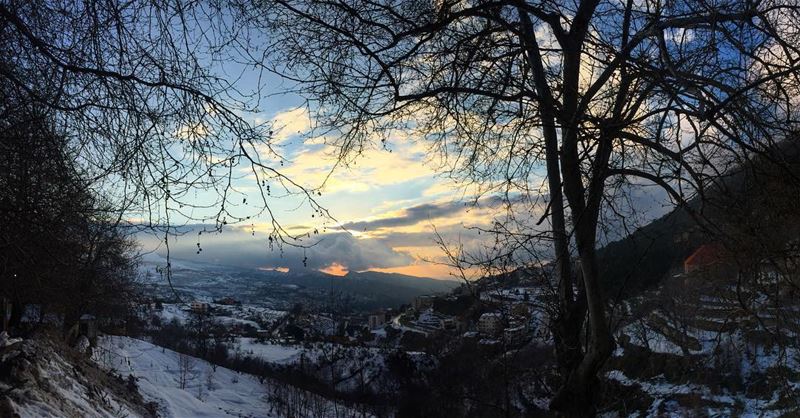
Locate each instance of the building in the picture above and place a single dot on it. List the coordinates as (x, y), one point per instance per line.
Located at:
(710, 261)
(388, 314)
(199, 307)
(703, 258)
(262, 335)
(429, 321)
(490, 323)
(449, 324)
(376, 320)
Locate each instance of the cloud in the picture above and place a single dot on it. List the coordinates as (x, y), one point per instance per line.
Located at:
(290, 123)
(426, 212)
(192, 132)
(237, 247)
(409, 216)
(335, 269)
(314, 163)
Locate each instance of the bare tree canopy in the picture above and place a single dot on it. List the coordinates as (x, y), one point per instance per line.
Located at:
(147, 94)
(568, 100)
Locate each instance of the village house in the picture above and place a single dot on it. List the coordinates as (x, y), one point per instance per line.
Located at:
(262, 335)
(449, 324)
(490, 323)
(199, 307)
(516, 335)
(711, 261)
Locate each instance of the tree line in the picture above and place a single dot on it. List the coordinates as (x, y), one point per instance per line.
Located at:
(62, 254)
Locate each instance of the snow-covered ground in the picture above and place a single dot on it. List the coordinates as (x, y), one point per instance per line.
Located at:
(663, 394)
(208, 392)
(40, 380)
(270, 352)
(223, 314)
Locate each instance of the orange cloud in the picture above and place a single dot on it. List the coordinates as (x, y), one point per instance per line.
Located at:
(335, 269)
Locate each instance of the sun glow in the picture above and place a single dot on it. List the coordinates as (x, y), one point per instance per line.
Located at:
(335, 269)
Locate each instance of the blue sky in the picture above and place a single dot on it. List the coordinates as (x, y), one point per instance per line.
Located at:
(385, 204)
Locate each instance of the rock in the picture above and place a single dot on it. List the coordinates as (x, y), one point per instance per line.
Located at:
(5, 340)
(82, 345)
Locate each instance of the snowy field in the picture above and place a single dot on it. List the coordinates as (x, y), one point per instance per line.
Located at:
(270, 352)
(208, 393)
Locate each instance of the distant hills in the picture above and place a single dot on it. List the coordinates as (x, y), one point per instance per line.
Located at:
(397, 288)
(357, 291)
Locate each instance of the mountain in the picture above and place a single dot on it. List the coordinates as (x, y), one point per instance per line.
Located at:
(394, 288)
(281, 290)
(751, 210)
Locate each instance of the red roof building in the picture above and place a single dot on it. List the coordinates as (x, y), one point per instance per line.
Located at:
(705, 257)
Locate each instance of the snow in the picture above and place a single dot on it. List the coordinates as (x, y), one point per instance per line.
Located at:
(650, 338)
(663, 392)
(5, 341)
(174, 311)
(270, 352)
(229, 321)
(49, 385)
(156, 369)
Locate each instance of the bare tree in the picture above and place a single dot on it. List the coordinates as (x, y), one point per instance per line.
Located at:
(140, 90)
(186, 370)
(60, 246)
(556, 106)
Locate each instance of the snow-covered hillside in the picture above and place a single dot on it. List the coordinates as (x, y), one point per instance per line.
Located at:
(699, 350)
(42, 379)
(184, 386)
(206, 393)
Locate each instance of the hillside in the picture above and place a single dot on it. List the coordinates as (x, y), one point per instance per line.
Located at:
(751, 210)
(127, 377)
(361, 291)
(39, 378)
(208, 392)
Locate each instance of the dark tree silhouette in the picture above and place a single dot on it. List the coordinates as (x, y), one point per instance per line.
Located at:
(60, 248)
(593, 96)
(147, 94)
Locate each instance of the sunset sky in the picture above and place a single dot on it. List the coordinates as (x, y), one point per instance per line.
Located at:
(386, 205)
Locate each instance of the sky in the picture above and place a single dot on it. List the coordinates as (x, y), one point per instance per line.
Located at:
(386, 206)
(389, 206)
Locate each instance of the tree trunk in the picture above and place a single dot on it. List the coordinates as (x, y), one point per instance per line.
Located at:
(566, 327)
(578, 396)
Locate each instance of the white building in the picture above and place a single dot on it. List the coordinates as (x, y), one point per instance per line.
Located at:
(490, 323)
